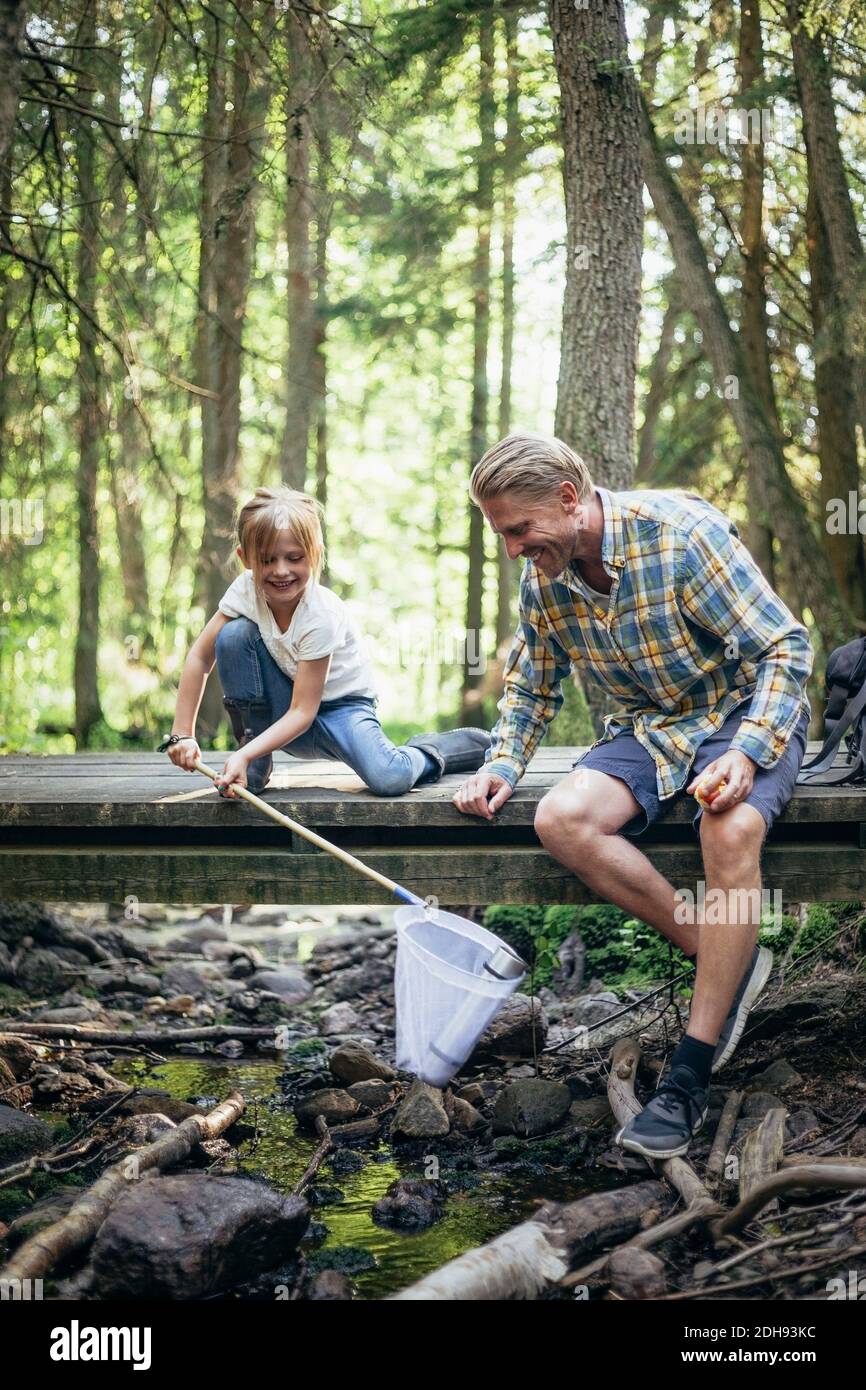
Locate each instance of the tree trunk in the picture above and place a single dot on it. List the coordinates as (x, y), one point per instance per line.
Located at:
(778, 498)
(320, 358)
(11, 29)
(754, 328)
(834, 394)
(88, 711)
(471, 709)
(130, 245)
(213, 176)
(234, 234)
(604, 237)
(506, 568)
(658, 386)
(12, 17)
(300, 364)
(831, 187)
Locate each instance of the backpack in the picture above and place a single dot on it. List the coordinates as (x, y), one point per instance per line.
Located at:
(844, 717)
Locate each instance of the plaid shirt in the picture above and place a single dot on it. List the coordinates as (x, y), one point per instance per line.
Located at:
(692, 631)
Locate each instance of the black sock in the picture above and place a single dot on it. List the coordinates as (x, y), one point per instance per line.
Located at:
(698, 1056)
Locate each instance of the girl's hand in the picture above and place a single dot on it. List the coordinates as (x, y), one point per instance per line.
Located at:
(184, 754)
(235, 770)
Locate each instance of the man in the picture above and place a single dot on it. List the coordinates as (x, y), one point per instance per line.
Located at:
(653, 596)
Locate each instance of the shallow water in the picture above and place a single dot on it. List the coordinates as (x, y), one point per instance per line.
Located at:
(493, 1202)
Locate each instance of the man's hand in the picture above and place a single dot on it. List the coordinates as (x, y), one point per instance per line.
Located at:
(733, 768)
(482, 794)
(235, 770)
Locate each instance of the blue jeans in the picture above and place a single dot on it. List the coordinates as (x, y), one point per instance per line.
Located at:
(347, 730)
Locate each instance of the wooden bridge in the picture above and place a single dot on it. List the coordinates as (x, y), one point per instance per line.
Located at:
(99, 827)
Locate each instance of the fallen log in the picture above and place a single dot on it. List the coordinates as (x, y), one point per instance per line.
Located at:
(700, 1206)
(312, 1168)
(762, 1153)
(536, 1255)
(78, 1227)
(810, 1177)
(79, 1032)
(624, 1104)
(724, 1132)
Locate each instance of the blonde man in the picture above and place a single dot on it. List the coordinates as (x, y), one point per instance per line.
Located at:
(653, 596)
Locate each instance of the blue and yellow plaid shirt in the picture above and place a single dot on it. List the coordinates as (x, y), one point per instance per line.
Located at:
(692, 631)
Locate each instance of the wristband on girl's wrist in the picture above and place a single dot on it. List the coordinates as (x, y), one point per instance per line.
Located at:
(172, 739)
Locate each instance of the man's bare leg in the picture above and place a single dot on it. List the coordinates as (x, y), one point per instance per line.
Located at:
(577, 822)
(731, 844)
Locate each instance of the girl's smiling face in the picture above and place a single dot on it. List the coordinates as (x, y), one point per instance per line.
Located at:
(285, 571)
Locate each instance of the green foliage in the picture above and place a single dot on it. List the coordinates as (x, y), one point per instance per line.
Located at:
(829, 932)
(620, 950)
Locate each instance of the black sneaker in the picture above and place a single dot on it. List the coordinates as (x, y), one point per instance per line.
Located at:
(751, 985)
(670, 1119)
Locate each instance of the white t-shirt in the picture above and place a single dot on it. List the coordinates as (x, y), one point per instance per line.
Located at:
(321, 626)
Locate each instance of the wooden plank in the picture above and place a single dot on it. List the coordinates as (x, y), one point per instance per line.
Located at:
(107, 807)
(473, 876)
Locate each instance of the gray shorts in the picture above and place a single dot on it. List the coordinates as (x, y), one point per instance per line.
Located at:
(624, 757)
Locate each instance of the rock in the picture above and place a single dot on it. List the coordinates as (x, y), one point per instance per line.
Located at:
(352, 1062)
(363, 979)
(324, 1196)
(776, 1077)
(422, 1113)
(635, 1273)
(18, 1054)
(6, 971)
(760, 1103)
(774, 1019)
(21, 1135)
(530, 1107)
(594, 1008)
(41, 971)
(77, 1013)
(290, 985)
(857, 1142)
(590, 1112)
(158, 1102)
(43, 1214)
(572, 962)
(462, 1115)
(231, 1047)
(144, 1128)
(180, 1004)
(188, 1235)
(192, 977)
(371, 1094)
(204, 930)
(473, 1093)
(339, 1018)
(330, 1286)
(131, 981)
(801, 1123)
(510, 1034)
(411, 1204)
(235, 952)
(336, 1106)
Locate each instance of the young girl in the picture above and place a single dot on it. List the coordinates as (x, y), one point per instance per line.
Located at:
(293, 670)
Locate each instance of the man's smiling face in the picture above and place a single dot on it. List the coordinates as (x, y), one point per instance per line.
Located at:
(543, 531)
